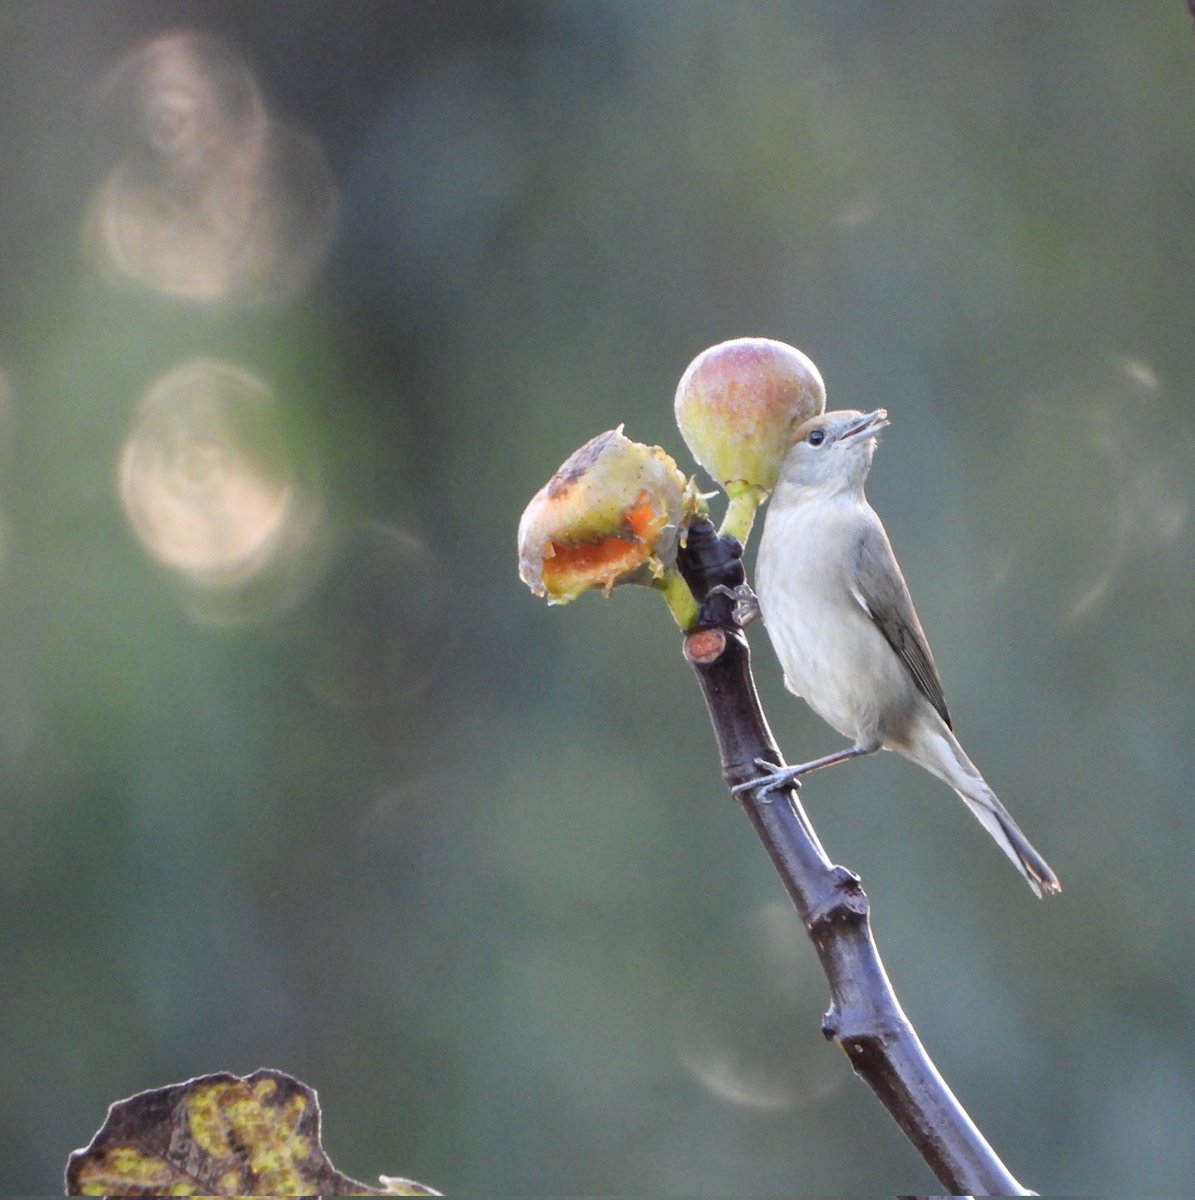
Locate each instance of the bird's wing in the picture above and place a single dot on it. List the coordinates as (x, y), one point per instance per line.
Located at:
(883, 595)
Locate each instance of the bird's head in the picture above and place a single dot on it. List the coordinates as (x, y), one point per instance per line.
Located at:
(832, 452)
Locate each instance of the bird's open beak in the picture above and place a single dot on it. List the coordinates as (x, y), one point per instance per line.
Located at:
(867, 426)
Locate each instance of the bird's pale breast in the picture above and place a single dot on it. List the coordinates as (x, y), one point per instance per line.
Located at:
(831, 651)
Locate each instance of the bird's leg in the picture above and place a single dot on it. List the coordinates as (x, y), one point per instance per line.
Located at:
(746, 603)
(780, 776)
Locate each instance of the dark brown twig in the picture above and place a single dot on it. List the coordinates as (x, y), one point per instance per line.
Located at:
(865, 1017)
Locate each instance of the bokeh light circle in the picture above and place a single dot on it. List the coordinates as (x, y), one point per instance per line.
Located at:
(214, 490)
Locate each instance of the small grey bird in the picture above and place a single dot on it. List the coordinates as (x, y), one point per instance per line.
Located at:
(839, 614)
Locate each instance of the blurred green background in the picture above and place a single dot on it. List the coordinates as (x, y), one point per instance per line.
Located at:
(333, 793)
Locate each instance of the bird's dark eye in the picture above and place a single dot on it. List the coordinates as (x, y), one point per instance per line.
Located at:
(816, 437)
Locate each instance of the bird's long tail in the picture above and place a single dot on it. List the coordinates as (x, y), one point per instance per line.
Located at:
(941, 753)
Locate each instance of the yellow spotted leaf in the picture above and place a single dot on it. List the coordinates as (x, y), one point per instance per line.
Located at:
(217, 1135)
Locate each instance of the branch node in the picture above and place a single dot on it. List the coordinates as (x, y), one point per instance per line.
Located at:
(830, 1023)
(712, 566)
(842, 902)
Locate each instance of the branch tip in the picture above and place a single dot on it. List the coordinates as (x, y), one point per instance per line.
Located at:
(704, 646)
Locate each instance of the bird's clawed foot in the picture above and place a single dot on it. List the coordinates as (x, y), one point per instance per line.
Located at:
(776, 777)
(746, 604)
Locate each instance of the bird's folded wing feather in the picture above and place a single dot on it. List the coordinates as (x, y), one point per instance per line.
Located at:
(882, 593)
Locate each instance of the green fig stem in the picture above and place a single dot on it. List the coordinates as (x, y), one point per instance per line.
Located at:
(745, 499)
(679, 599)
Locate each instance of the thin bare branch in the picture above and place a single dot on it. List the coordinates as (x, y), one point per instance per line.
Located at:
(865, 1017)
